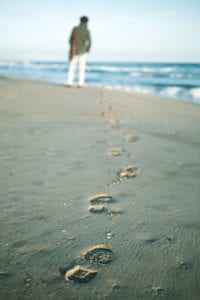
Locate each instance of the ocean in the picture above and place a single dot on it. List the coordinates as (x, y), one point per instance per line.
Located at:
(171, 80)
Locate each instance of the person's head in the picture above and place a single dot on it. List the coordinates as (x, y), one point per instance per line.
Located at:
(84, 19)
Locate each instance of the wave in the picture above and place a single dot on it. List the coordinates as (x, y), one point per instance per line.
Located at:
(175, 92)
(195, 93)
(132, 70)
(35, 65)
(109, 69)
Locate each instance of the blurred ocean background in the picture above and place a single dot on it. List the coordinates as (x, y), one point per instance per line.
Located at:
(172, 80)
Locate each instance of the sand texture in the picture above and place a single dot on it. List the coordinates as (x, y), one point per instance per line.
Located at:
(54, 158)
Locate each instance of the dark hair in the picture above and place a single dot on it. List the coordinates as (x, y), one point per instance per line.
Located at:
(84, 19)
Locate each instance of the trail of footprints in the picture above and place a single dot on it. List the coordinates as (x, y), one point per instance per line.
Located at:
(81, 269)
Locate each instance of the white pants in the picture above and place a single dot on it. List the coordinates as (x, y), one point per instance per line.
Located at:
(72, 67)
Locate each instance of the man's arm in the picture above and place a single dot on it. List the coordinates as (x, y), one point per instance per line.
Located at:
(88, 42)
(72, 36)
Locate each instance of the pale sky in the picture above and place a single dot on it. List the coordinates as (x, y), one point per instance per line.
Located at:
(122, 30)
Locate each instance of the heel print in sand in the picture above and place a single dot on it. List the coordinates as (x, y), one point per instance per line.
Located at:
(80, 274)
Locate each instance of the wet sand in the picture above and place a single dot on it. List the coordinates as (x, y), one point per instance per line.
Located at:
(60, 148)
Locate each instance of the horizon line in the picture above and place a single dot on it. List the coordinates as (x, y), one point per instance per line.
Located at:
(105, 61)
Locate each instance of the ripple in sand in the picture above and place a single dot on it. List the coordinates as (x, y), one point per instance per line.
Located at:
(97, 208)
(129, 172)
(129, 138)
(80, 274)
(170, 240)
(100, 198)
(151, 240)
(99, 254)
(115, 151)
(4, 274)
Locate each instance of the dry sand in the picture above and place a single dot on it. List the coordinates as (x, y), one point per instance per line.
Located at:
(54, 156)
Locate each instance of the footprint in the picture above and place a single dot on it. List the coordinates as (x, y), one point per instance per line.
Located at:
(130, 155)
(109, 107)
(80, 274)
(101, 254)
(100, 101)
(129, 172)
(129, 138)
(114, 124)
(157, 290)
(184, 265)
(97, 208)
(101, 114)
(115, 211)
(115, 151)
(102, 97)
(100, 198)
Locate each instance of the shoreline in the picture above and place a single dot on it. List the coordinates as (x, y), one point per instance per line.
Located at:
(105, 89)
(62, 146)
(177, 91)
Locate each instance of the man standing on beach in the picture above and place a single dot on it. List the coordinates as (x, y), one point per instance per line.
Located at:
(80, 44)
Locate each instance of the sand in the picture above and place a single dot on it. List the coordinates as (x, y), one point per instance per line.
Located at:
(54, 156)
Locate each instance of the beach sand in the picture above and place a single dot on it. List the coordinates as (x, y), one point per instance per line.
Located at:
(60, 147)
